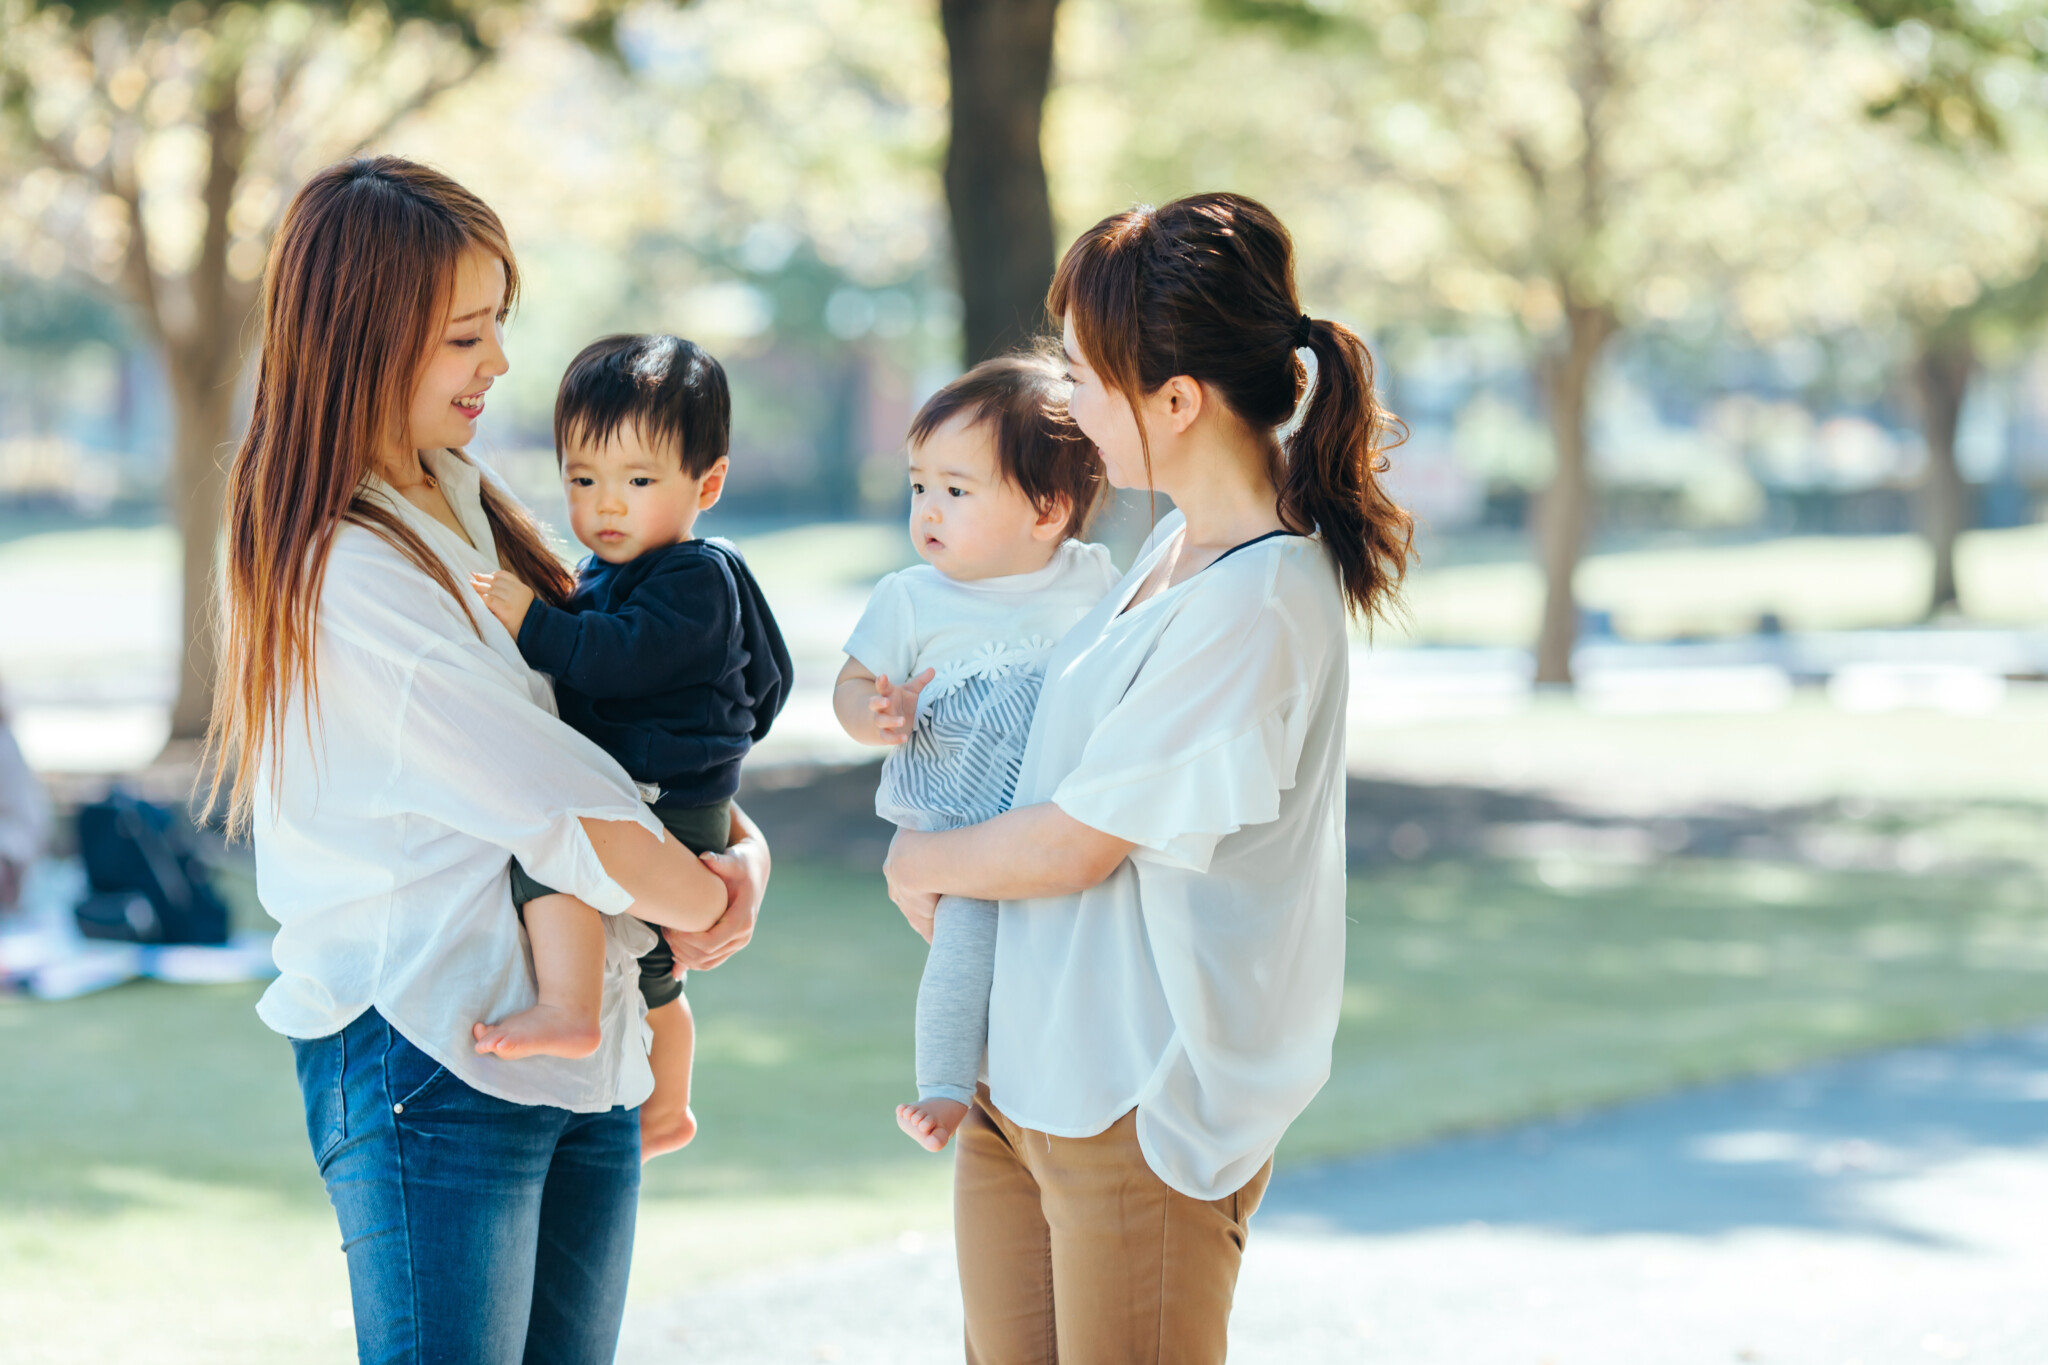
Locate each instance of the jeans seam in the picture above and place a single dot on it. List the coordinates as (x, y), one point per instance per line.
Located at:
(412, 1279)
(337, 1131)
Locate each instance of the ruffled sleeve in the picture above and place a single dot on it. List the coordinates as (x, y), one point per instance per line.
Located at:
(1208, 734)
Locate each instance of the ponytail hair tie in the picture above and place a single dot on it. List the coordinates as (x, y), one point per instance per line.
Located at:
(1302, 331)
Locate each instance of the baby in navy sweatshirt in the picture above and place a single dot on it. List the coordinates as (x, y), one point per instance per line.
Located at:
(666, 655)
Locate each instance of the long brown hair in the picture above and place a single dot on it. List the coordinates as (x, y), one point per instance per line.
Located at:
(1204, 287)
(358, 283)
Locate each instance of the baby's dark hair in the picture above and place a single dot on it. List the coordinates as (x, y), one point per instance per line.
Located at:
(668, 389)
(1023, 398)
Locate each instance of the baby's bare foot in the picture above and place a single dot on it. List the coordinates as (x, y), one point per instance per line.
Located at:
(931, 1123)
(543, 1031)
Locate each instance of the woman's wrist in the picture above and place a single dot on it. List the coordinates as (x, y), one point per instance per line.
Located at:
(908, 864)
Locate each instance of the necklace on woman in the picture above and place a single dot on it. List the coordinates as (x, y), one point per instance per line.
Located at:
(427, 480)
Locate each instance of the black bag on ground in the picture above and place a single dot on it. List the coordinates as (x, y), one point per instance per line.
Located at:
(148, 883)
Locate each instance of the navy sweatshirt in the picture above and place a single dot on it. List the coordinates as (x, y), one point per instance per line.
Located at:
(671, 662)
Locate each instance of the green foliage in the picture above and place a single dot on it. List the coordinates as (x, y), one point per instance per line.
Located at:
(55, 320)
(470, 19)
(1957, 52)
(1300, 20)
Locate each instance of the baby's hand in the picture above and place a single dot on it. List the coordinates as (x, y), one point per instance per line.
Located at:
(505, 595)
(895, 707)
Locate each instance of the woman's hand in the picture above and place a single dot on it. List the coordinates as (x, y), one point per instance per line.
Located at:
(744, 869)
(506, 597)
(918, 905)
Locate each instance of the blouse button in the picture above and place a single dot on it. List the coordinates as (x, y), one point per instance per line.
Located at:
(398, 1109)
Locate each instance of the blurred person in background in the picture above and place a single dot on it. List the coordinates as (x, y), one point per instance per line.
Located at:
(391, 752)
(1170, 942)
(24, 817)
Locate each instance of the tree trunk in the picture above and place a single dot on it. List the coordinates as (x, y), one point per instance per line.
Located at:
(1565, 510)
(1942, 369)
(205, 357)
(1000, 60)
(204, 413)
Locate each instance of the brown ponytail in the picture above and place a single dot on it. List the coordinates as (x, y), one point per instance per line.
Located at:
(1204, 287)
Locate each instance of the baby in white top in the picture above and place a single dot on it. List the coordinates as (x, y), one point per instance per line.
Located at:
(946, 662)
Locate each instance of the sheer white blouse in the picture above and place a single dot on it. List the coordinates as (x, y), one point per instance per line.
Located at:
(1201, 982)
(385, 828)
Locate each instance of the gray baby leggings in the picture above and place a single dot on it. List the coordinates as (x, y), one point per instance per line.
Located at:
(952, 999)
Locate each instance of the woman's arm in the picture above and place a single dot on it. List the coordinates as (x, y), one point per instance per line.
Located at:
(1020, 855)
(743, 872)
(669, 886)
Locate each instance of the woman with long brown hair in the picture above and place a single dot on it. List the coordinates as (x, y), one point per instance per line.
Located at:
(391, 752)
(1170, 945)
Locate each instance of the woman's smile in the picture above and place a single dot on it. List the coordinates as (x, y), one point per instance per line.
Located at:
(471, 405)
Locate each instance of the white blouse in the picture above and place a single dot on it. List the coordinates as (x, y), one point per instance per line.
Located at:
(1201, 982)
(386, 826)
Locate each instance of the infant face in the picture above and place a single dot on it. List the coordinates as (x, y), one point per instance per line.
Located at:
(625, 499)
(966, 520)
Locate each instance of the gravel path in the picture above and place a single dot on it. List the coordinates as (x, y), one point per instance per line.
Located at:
(1878, 1211)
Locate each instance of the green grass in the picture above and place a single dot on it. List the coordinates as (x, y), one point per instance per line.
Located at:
(157, 1202)
(1479, 993)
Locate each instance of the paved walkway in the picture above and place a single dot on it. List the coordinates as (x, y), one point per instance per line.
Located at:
(1881, 1211)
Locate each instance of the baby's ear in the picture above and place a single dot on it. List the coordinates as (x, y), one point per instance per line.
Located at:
(713, 487)
(1053, 518)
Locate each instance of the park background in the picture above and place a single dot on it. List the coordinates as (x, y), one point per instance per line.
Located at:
(1710, 742)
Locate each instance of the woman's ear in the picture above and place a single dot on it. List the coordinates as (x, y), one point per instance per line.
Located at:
(1180, 401)
(1053, 518)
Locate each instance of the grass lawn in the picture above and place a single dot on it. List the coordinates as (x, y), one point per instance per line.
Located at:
(157, 1202)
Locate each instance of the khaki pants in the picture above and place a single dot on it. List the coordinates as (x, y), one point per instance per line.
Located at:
(1073, 1251)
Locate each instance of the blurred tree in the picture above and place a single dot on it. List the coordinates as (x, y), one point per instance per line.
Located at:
(169, 135)
(1572, 168)
(1000, 59)
(1541, 160)
(1968, 83)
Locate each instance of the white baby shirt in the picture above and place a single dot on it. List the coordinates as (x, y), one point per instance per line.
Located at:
(988, 641)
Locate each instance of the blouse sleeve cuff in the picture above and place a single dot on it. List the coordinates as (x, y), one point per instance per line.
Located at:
(1177, 810)
(568, 861)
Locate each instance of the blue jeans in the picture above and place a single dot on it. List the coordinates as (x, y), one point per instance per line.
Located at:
(478, 1231)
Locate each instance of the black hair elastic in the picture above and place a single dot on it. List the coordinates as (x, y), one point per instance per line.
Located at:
(1302, 331)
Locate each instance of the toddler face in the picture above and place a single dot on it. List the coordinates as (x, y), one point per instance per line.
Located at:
(966, 520)
(625, 499)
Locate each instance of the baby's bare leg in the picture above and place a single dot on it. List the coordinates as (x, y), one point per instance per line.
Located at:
(568, 974)
(666, 1122)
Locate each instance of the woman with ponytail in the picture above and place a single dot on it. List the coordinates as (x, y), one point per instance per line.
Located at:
(1170, 949)
(390, 752)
